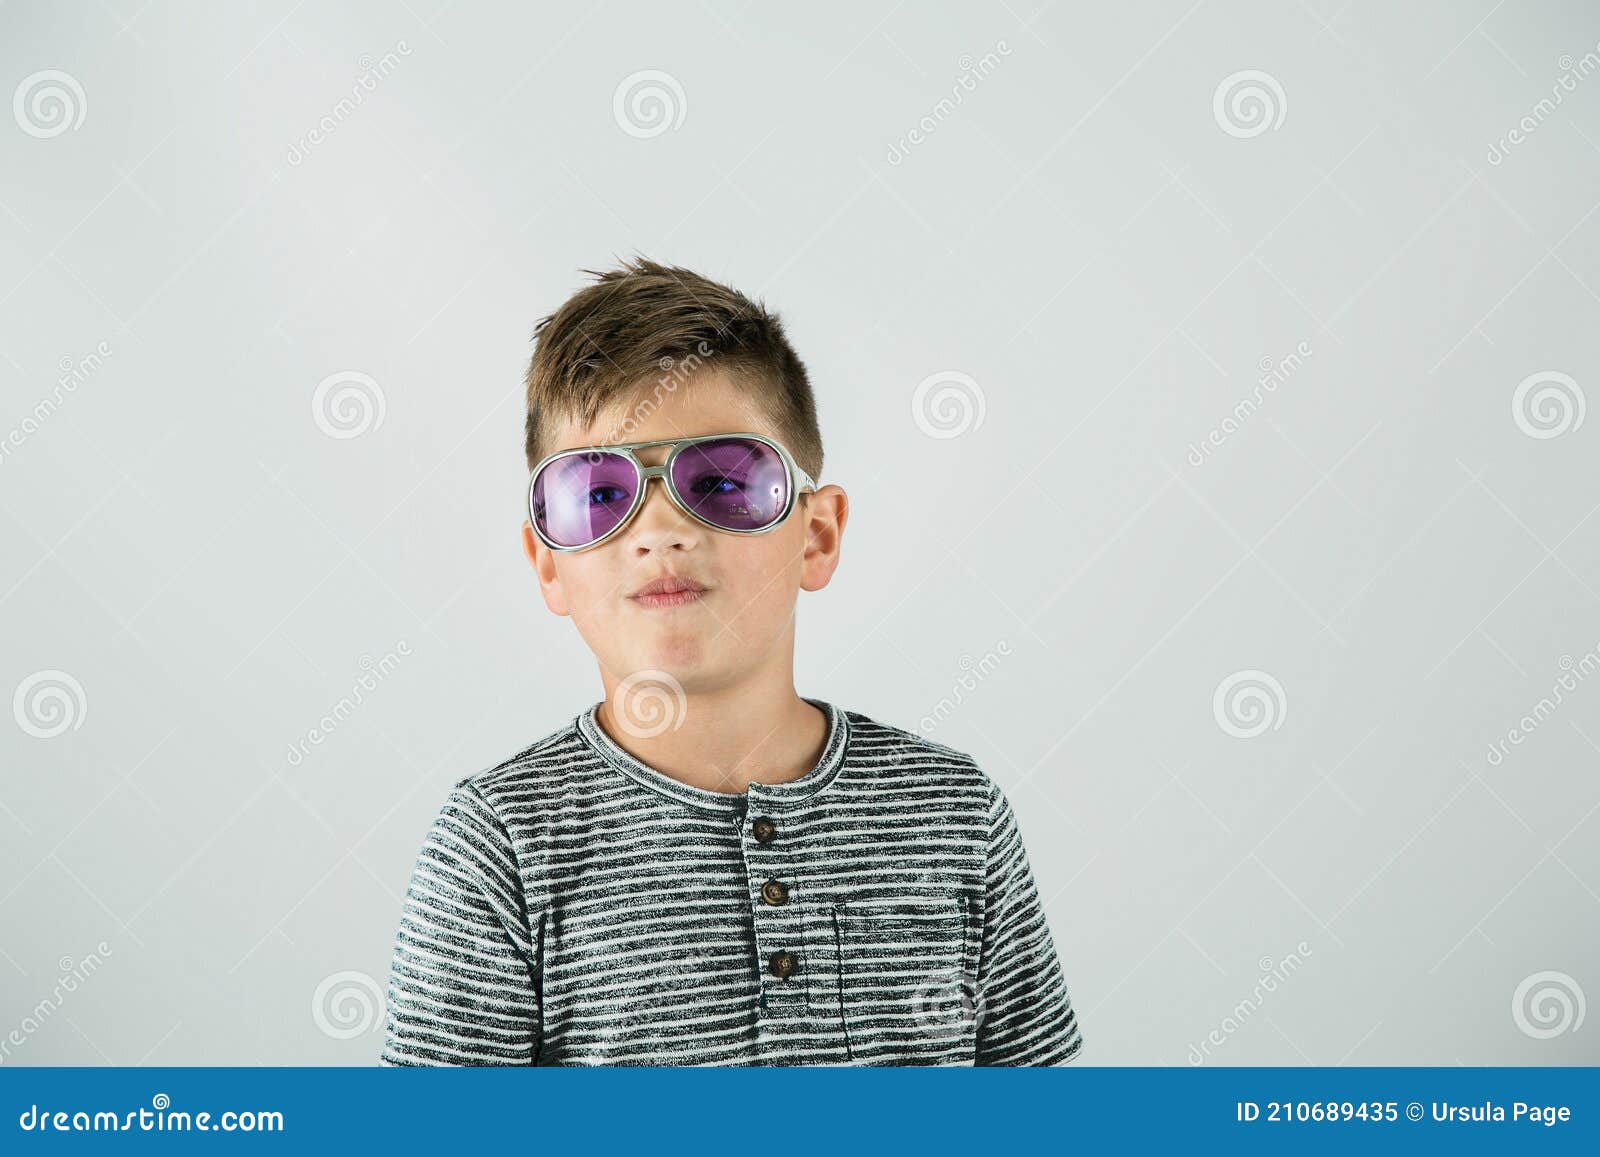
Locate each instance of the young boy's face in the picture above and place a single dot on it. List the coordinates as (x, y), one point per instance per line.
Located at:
(742, 624)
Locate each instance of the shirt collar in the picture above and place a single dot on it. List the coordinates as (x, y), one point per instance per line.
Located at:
(760, 797)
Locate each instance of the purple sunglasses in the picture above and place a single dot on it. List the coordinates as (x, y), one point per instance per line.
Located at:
(740, 483)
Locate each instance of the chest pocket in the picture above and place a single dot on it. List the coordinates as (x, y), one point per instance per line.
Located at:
(906, 979)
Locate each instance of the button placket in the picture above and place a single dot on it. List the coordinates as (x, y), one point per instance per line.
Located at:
(778, 912)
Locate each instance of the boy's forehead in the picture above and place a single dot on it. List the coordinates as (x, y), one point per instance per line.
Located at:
(708, 405)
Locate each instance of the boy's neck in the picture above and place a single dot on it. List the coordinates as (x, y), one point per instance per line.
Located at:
(726, 739)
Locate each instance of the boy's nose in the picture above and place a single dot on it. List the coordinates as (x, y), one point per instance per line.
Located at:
(660, 524)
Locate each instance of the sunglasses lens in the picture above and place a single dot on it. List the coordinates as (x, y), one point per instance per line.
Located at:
(581, 498)
(734, 483)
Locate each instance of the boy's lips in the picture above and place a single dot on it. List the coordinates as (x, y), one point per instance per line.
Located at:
(669, 591)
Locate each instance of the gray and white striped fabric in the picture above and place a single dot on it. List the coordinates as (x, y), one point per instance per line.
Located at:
(573, 906)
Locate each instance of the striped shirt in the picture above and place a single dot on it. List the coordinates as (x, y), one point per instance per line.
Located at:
(574, 906)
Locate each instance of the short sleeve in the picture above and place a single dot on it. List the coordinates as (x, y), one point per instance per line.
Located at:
(1024, 1011)
(462, 982)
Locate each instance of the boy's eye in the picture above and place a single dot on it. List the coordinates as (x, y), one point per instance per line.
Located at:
(716, 484)
(605, 495)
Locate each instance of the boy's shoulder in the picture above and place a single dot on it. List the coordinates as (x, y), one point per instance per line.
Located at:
(869, 727)
(550, 751)
(873, 741)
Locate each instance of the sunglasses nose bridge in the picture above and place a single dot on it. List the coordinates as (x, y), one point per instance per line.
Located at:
(646, 473)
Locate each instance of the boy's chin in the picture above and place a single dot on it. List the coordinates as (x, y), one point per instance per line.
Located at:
(681, 657)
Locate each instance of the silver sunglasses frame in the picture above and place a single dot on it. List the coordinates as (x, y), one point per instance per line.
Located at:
(799, 482)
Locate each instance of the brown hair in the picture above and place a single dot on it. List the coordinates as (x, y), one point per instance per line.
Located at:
(643, 329)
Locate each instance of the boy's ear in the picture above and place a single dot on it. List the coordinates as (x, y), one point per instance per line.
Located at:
(544, 567)
(824, 512)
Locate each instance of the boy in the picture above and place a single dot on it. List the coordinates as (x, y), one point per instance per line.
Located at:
(705, 868)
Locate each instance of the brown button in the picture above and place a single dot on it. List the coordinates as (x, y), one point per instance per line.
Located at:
(764, 830)
(782, 963)
(774, 892)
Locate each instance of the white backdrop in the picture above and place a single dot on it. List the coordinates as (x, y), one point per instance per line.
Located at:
(1209, 381)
